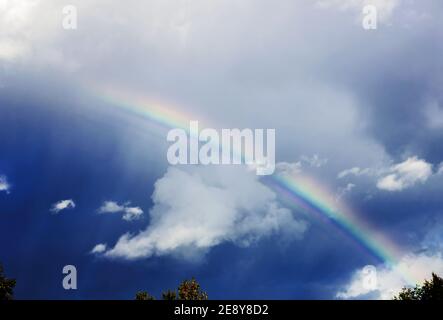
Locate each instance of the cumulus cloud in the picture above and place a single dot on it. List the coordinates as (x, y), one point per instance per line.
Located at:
(391, 279)
(4, 185)
(99, 248)
(405, 175)
(110, 207)
(199, 208)
(132, 213)
(129, 213)
(62, 205)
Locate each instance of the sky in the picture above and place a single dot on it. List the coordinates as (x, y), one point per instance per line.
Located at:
(84, 175)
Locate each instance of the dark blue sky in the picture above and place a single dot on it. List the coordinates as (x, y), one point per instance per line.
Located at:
(51, 153)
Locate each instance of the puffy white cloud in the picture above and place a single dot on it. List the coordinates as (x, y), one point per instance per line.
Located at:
(110, 207)
(4, 185)
(99, 248)
(405, 174)
(393, 177)
(391, 279)
(129, 213)
(132, 213)
(62, 205)
(200, 207)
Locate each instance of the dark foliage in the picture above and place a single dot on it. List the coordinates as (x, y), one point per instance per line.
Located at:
(6, 286)
(430, 290)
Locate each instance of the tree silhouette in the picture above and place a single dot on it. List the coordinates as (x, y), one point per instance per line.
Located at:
(143, 295)
(190, 290)
(187, 290)
(430, 290)
(169, 295)
(6, 286)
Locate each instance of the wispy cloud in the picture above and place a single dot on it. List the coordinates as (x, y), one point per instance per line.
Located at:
(304, 162)
(62, 205)
(342, 191)
(100, 248)
(4, 185)
(355, 171)
(314, 161)
(289, 168)
(394, 177)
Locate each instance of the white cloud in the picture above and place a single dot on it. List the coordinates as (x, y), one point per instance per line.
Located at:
(405, 174)
(132, 213)
(100, 248)
(62, 205)
(15, 24)
(289, 168)
(150, 56)
(390, 280)
(356, 171)
(4, 184)
(394, 177)
(293, 168)
(344, 190)
(110, 207)
(199, 208)
(129, 213)
(314, 161)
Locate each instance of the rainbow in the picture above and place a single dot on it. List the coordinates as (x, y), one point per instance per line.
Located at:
(162, 114)
(303, 192)
(309, 195)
